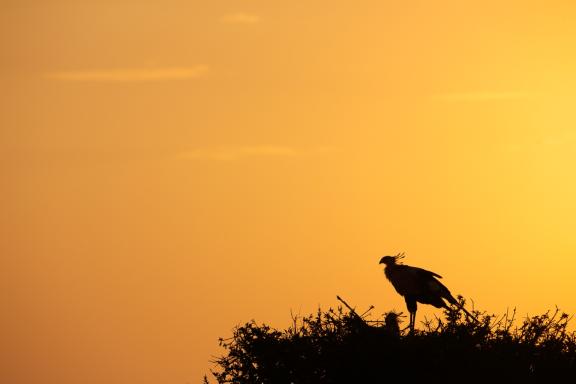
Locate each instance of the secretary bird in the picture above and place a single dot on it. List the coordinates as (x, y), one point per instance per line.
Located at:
(418, 285)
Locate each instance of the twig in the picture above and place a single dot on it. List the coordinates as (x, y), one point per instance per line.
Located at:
(349, 307)
(368, 310)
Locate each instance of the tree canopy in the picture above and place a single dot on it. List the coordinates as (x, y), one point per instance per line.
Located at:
(340, 346)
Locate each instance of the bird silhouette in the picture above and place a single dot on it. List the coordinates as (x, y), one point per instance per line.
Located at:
(418, 285)
(391, 323)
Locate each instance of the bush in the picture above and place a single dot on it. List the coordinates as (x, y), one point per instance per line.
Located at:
(338, 346)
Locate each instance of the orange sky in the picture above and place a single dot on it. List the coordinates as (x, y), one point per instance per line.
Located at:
(173, 168)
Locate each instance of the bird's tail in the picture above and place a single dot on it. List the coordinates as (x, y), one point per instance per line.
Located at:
(468, 313)
(452, 300)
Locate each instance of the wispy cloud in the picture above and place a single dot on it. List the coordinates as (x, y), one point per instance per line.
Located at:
(558, 142)
(240, 18)
(131, 74)
(483, 96)
(235, 153)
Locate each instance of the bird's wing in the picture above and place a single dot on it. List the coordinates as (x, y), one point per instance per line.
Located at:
(408, 280)
(426, 272)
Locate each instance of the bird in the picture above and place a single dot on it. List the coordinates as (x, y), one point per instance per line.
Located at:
(391, 323)
(418, 285)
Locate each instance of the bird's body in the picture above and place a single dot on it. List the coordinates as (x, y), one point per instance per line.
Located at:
(418, 285)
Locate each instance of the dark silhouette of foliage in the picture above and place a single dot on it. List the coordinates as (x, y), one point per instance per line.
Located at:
(339, 346)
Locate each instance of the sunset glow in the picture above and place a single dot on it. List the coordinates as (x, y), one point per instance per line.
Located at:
(171, 169)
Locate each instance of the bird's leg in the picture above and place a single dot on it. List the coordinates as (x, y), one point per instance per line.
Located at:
(410, 326)
(412, 306)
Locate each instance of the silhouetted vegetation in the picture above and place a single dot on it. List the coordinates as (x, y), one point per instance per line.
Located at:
(339, 346)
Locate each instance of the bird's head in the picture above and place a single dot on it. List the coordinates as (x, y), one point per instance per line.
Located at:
(391, 260)
(393, 316)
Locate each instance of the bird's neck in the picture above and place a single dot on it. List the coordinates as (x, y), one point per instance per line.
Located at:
(389, 269)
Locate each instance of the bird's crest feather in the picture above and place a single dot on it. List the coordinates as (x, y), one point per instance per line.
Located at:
(399, 257)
